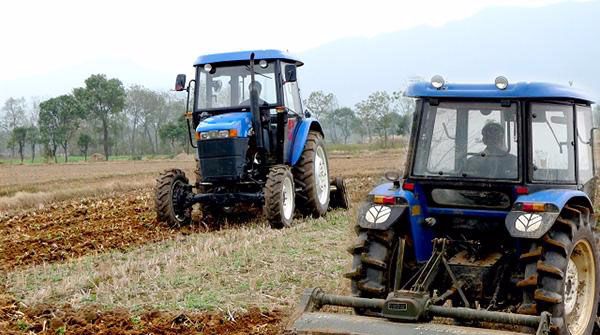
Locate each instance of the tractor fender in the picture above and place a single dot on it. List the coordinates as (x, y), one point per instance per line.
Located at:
(379, 217)
(534, 225)
(385, 217)
(301, 135)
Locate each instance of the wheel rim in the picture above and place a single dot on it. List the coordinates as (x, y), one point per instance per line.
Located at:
(288, 198)
(177, 195)
(580, 284)
(321, 176)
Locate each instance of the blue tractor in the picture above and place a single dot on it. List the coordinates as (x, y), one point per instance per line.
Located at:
(491, 222)
(255, 144)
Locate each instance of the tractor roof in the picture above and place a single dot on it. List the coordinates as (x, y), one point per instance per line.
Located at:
(490, 91)
(245, 56)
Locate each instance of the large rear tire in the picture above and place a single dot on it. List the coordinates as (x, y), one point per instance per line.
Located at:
(170, 189)
(374, 262)
(562, 274)
(280, 197)
(312, 176)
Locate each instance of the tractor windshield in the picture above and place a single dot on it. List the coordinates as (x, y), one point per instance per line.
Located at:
(225, 87)
(468, 140)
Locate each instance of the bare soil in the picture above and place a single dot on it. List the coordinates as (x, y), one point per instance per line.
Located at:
(88, 224)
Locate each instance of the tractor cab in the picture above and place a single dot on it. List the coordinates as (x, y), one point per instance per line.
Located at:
(479, 150)
(222, 107)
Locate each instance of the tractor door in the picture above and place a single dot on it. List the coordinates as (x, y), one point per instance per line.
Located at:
(293, 104)
(585, 159)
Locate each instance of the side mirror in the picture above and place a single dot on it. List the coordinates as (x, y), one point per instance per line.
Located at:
(290, 73)
(180, 83)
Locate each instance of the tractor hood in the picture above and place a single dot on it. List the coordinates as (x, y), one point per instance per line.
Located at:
(240, 121)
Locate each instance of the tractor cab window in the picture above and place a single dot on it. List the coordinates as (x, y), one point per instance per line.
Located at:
(229, 86)
(584, 144)
(468, 140)
(552, 142)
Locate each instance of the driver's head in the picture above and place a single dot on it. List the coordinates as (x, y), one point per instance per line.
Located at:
(493, 135)
(256, 85)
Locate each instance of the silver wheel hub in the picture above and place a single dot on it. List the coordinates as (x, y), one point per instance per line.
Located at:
(580, 288)
(287, 194)
(321, 176)
(571, 286)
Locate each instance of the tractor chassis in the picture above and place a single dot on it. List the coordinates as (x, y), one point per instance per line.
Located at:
(412, 305)
(188, 198)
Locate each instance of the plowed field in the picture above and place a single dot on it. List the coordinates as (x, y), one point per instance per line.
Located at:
(81, 210)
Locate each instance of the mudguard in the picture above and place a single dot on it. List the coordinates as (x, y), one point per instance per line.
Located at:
(378, 217)
(300, 137)
(522, 224)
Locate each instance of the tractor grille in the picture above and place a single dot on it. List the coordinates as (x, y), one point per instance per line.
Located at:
(222, 159)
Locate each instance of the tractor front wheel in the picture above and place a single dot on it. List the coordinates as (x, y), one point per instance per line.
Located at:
(312, 176)
(280, 197)
(562, 274)
(171, 189)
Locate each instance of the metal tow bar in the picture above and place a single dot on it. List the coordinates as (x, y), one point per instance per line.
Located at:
(314, 298)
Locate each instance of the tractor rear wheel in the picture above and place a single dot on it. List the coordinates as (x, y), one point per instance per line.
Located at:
(312, 176)
(170, 191)
(280, 197)
(562, 274)
(375, 257)
(339, 198)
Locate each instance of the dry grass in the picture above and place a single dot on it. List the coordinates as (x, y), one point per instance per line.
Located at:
(34, 186)
(229, 269)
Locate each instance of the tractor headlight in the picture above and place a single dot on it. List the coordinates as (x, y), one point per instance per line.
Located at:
(437, 82)
(501, 83)
(212, 134)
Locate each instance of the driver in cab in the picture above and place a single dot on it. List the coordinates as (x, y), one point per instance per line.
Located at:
(494, 161)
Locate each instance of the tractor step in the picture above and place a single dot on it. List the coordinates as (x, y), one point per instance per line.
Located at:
(336, 324)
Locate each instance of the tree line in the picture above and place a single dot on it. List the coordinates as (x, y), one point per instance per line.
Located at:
(376, 119)
(102, 116)
(105, 117)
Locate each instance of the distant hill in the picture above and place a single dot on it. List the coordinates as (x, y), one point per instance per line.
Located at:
(557, 43)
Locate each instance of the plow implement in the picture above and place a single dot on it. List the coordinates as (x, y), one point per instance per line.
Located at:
(399, 314)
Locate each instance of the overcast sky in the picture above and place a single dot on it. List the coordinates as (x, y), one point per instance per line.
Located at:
(42, 37)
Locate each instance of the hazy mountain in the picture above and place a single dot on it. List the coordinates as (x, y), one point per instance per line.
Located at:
(557, 43)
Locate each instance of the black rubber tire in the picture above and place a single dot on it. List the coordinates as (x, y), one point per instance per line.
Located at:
(166, 210)
(546, 264)
(304, 175)
(274, 197)
(339, 198)
(374, 257)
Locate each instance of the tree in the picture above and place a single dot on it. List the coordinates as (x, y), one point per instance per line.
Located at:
(19, 135)
(173, 132)
(104, 98)
(378, 113)
(320, 103)
(346, 120)
(405, 107)
(84, 142)
(33, 138)
(59, 120)
(14, 110)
